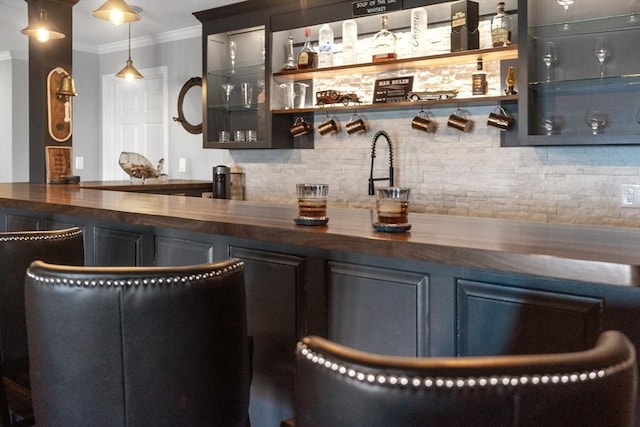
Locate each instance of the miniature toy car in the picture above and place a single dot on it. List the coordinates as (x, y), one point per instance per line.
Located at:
(335, 97)
(434, 95)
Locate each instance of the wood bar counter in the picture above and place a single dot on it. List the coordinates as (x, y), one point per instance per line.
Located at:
(450, 286)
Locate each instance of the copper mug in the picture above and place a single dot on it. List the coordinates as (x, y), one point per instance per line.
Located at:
(423, 122)
(458, 120)
(300, 127)
(355, 124)
(500, 119)
(328, 126)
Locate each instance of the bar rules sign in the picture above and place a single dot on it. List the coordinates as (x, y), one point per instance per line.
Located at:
(371, 7)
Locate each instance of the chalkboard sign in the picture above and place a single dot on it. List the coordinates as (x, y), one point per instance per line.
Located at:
(372, 7)
(392, 90)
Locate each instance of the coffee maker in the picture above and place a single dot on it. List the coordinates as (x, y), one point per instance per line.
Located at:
(221, 182)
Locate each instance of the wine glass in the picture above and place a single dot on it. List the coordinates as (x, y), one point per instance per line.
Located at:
(596, 120)
(565, 4)
(601, 51)
(632, 15)
(549, 57)
(232, 54)
(227, 88)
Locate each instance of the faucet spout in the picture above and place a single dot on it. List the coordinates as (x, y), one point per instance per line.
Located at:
(386, 136)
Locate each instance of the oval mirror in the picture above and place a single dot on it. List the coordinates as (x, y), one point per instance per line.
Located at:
(190, 106)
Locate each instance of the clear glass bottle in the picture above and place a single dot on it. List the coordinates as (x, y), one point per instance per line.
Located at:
(384, 42)
(307, 57)
(501, 27)
(290, 65)
(419, 31)
(325, 46)
(349, 42)
(479, 80)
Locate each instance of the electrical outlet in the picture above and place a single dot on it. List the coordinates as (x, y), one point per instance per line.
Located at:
(79, 163)
(182, 164)
(630, 196)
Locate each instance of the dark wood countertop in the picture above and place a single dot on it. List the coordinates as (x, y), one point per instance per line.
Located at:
(150, 185)
(577, 252)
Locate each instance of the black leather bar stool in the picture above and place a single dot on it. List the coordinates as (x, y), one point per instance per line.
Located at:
(138, 346)
(341, 387)
(17, 251)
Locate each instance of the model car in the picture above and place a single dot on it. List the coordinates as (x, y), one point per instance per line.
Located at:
(431, 95)
(324, 97)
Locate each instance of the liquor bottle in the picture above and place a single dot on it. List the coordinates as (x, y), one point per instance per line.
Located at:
(384, 43)
(290, 65)
(349, 41)
(307, 56)
(479, 80)
(419, 31)
(325, 46)
(501, 28)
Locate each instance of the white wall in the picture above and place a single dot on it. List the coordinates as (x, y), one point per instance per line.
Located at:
(14, 118)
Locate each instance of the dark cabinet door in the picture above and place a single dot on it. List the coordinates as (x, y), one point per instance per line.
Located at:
(497, 319)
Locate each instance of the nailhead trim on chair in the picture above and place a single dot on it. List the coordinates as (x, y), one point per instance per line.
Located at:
(48, 236)
(136, 281)
(459, 382)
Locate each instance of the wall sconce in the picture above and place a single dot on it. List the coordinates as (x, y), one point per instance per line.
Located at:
(129, 72)
(116, 12)
(42, 30)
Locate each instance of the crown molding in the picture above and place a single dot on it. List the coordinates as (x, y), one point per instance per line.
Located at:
(169, 36)
(7, 55)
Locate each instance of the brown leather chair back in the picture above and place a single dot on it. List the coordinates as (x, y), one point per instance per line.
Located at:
(338, 386)
(138, 346)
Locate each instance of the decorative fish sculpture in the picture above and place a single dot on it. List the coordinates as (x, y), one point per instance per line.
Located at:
(138, 166)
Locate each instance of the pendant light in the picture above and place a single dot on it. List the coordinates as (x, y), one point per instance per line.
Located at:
(129, 72)
(116, 12)
(41, 29)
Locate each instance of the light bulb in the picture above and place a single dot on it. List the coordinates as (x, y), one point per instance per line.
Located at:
(42, 35)
(116, 17)
(129, 77)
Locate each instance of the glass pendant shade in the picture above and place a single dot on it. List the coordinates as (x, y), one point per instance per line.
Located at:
(41, 29)
(116, 12)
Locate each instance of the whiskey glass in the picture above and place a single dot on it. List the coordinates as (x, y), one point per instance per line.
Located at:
(596, 120)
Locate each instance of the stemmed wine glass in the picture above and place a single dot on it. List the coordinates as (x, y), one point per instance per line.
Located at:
(232, 54)
(227, 88)
(596, 120)
(549, 57)
(565, 4)
(601, 51)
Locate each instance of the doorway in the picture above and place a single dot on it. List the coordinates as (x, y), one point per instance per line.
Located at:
(135, 118)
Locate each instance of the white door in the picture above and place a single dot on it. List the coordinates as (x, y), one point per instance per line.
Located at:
(135, 118)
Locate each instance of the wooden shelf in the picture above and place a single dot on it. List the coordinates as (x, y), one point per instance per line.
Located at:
(477, 100)
(455, 58)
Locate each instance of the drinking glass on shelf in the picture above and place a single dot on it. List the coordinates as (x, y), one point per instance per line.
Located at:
(549, 57)
(601, 51)
(549, 124)
(232, 54)
(596, 120)
(638, 116)
(227, 88)
(565, 4)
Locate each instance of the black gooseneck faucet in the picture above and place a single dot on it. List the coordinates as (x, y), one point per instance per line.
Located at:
(373, 156)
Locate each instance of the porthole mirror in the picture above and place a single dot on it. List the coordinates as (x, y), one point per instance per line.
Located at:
(190, 106)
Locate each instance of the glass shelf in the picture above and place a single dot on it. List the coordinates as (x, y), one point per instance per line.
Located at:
(580, 84)
(235, 108)
(245, 70)
(587, 26)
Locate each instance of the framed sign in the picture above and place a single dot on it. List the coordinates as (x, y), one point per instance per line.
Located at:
(58, 164)
(373, 7)
(392, 89)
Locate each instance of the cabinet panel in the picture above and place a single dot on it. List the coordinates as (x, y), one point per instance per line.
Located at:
(117, 248)
(378, 310)
(495, 319)
(171, 251)
(23, 223)
(275, 298)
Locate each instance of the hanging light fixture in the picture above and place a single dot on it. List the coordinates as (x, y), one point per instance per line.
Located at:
(116, 12)
(129, 72)
(41, 29)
